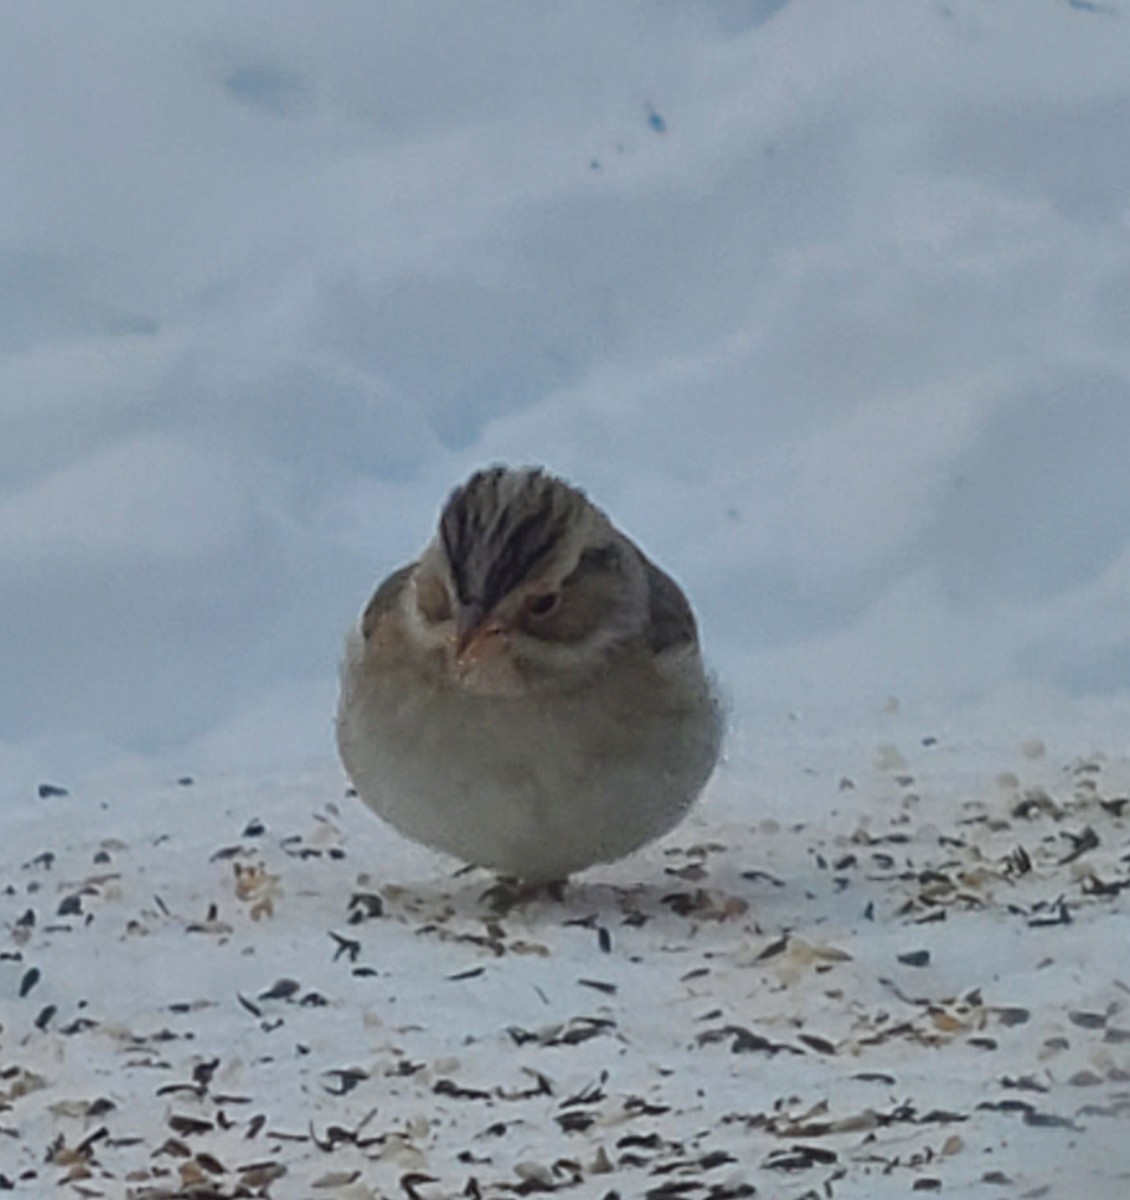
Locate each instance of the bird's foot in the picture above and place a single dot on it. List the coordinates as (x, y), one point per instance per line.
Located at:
(507, 893)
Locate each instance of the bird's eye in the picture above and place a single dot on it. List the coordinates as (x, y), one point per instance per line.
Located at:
(542, 604)
(433, 600)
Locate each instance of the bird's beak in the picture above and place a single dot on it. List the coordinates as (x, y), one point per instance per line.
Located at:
(475, 635)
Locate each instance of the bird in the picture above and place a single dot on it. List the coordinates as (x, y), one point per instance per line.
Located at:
(529, 694)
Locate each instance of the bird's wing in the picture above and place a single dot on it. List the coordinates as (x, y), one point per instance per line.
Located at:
(672, 621)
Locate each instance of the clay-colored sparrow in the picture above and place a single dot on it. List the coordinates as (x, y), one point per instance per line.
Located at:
(528, 695)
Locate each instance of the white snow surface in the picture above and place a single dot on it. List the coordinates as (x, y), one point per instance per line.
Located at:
(828, 304)
(215, 989)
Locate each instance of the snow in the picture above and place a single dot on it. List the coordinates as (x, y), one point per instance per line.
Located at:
(898, 976)
(826, 304)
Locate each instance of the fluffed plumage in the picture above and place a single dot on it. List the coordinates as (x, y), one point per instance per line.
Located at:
(529, 694)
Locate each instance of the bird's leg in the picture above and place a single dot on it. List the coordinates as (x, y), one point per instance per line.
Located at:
(508, 893)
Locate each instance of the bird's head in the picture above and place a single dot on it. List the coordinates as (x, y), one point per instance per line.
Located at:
(526, 578)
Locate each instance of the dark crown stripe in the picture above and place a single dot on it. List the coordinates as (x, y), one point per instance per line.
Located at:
(491, 546)
(455, 532)
(513, 553)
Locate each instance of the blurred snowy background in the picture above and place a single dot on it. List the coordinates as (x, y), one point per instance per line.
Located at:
(828, 304)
